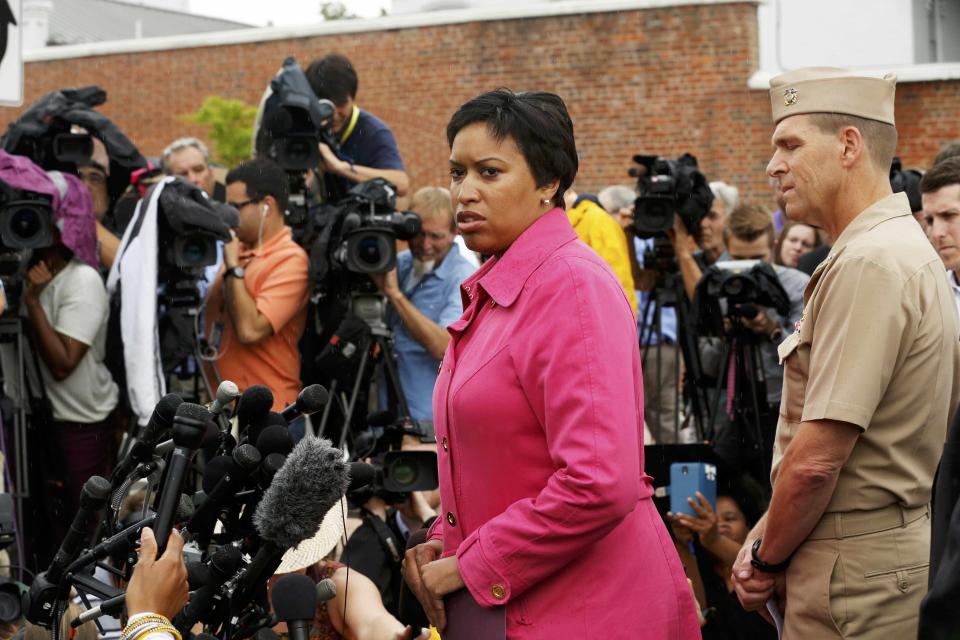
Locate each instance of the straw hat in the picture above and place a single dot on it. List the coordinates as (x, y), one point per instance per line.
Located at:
(311, 551)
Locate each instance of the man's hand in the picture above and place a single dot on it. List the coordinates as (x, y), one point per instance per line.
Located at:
(760, 323)
(413, 563)
(38, 278)
(331, 163)
(387, 282)
(704, 525)
(231, 252)
(681, 240)
(753, 587)
(158, 585)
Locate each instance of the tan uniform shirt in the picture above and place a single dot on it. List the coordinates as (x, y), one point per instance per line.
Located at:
(877, 347)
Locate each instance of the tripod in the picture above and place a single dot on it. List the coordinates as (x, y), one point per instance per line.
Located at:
(669, 293)
(743, 377)
(375, 346)
(12, 331)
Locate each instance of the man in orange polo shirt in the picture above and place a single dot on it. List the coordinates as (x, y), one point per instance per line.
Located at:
(257, 306)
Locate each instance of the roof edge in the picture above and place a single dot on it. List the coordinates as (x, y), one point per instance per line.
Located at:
(362, 25)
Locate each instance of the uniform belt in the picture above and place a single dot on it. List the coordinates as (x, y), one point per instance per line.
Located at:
(845, 524)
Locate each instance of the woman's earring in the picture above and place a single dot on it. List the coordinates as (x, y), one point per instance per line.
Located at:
(546, 202)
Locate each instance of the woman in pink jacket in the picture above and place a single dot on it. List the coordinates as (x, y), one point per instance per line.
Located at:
(538, 407)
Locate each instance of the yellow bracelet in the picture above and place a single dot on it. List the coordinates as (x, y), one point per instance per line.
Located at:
(148, 617)
(133, 629)
(158, 629)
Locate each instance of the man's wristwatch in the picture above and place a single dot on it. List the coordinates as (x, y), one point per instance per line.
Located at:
(764, 566)
(234, 272)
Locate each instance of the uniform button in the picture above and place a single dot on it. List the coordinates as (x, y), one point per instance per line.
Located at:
(498, 592)
(451, 519)
(444, 443)
(493, 303)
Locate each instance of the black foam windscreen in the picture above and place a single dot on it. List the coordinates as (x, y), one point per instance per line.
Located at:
(215, 469)
(311, 399)
(361, 475)
(247, 457)
(163, 415)
(294, 597)
(271, 464)
(309, 484)
(269, 419)
(275, 439)
(255, 402)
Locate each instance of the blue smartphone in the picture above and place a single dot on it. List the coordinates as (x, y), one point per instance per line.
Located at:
(686, 478)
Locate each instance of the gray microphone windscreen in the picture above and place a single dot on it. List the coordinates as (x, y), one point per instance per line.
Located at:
(312, 399)
(326, 590)
(310, 483)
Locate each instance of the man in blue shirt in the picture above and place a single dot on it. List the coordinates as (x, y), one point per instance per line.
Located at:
(424, 295)
(368, 149)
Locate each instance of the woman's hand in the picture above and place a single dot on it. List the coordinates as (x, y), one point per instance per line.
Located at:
(413, 563)
(158, 585)
(704, 525)
(681, 533)
(38, 277)
(439, 578)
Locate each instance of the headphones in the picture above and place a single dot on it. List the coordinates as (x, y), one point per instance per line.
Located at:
(264, 211)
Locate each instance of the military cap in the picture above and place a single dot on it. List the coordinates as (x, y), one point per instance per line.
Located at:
(832, 90)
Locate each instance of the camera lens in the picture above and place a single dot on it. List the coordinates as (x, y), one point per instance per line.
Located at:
(10, 602)
(25, 223)
(193, 251)
(403, 473)
(369, 249)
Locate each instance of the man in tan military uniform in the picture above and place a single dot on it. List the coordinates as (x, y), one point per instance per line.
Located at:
(871, 378)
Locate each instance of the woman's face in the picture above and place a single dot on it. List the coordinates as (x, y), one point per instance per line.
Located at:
(798, 242)
(730, 519)
(494, 194)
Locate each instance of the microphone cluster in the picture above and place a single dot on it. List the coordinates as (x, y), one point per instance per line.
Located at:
(260, 495)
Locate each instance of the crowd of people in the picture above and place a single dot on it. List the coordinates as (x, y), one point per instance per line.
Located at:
(537, 368)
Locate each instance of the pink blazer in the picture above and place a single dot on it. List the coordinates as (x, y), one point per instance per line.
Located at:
(538, 412)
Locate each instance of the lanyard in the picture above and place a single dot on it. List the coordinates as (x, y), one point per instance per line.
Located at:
(353, 123)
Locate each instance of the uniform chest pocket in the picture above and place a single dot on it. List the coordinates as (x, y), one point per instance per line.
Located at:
(794, 354)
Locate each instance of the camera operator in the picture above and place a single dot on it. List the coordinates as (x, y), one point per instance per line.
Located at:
(189, 158)
(256, 310)
(368, 148)
(65, 307)
(424, 295)
(711, 242)
(749, 235)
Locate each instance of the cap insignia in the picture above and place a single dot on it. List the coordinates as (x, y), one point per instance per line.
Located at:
(790, 97)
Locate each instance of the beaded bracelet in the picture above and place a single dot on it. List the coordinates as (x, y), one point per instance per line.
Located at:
(158, 628)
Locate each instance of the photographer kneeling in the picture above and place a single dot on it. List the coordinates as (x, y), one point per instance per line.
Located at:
(749, 235)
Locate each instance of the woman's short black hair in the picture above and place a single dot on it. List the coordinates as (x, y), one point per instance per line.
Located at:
(262, 177)
(539, 124)
(333, 78)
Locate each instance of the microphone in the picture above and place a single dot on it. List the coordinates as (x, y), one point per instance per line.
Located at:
(223, 565)
(275, 439)
(189, 425)
(227, 392)
(110, 607)
(43, 591)
(309, 484)
(256, 401)
(361, 475)
(246, 459)
(142, 448)
(295, 602)
(269, 419)
(308, 401)
(326, 590)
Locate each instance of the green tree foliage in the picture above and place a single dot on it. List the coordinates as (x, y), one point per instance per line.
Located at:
(229, 126)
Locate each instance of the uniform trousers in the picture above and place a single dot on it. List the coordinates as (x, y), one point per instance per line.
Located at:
(857, 576)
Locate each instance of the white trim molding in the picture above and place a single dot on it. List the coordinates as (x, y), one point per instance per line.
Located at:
(338, 27)
(935, 72)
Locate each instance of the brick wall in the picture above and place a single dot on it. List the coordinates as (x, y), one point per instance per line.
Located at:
(664, 80)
